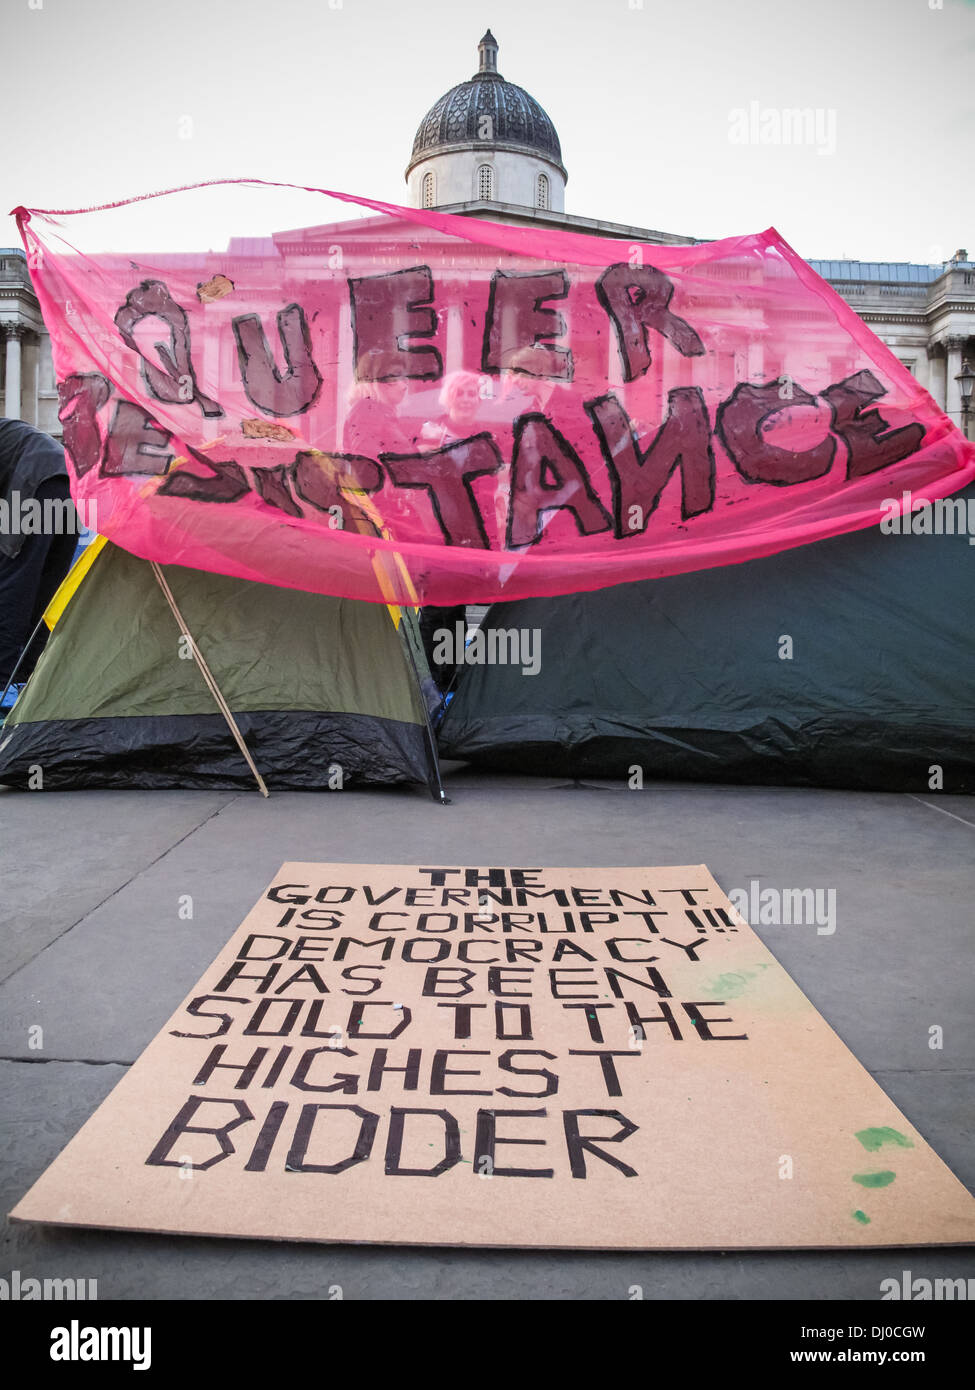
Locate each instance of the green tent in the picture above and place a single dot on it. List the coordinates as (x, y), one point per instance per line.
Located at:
(845, 663)
(324, 692)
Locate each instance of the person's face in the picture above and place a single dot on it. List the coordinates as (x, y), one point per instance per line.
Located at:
(537, 390)
(465, 405)
(392, 392)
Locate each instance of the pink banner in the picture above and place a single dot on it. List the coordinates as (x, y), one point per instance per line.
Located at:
(416, 407)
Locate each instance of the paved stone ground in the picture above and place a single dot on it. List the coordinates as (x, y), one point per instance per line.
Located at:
(94, 951)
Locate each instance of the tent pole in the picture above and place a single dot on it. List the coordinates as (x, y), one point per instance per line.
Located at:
(20, 660)
(431, 737)
(211, 683)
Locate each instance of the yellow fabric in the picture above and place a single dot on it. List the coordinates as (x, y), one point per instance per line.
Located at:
(369, 508)
(71, 581)
(76, 574)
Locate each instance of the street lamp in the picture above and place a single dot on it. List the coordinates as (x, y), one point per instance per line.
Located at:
(965, 379)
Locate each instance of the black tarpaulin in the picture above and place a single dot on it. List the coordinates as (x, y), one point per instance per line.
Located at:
(846, 663)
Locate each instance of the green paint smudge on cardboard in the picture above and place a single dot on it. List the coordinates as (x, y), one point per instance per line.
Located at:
(874, 1179)
(874, 1139)
(862, 1217)
(730, 986)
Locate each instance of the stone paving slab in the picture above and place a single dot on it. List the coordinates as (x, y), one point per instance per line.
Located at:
(900, 872)
(105, 956)
(62, 853)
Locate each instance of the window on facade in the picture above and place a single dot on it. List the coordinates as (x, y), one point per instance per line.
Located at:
(541, 197)
(485, 182)
(427, 191)
(907, 362)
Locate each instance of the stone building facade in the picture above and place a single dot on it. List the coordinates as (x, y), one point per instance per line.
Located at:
(924, 313)
(27, 387)
(486, 148)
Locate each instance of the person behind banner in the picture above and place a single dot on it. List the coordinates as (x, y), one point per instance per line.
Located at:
(461, 396)
(39, 530)
(372, 425)
(522, 392)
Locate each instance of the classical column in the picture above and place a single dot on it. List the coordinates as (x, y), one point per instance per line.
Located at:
(454, 339)
(936, 381)
(953, 347)
(12, 407)
(344, 377)
(922, 369)
(45, 365)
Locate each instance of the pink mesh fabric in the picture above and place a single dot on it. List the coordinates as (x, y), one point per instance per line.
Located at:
(415, 407)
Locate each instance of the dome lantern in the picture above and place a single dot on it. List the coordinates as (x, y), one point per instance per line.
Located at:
(488, 52)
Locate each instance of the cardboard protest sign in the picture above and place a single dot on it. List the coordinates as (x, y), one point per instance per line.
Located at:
(591, 1058)
(418, 407)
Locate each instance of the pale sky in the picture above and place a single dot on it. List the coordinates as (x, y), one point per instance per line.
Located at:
(102, 99)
